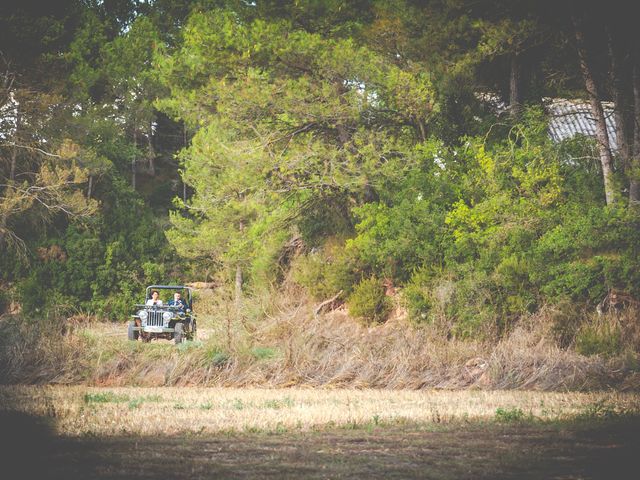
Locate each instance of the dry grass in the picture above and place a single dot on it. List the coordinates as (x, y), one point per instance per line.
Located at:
(170, 410)
(279, 342)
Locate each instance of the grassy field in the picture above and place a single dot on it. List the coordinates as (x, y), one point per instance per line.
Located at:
(293, 397)
(198, 433)
(81, 411)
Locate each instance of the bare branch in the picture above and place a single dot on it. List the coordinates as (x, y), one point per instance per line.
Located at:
(28, 147)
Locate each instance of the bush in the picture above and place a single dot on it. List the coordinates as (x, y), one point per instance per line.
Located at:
(369, 302)
(601, 336)
(565, 319)
(591, 250)
(510, 415)
(395, 240)
(426, 295)
(325, 272)
(417, 298)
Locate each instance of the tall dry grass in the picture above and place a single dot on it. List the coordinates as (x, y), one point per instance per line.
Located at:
(279, 342)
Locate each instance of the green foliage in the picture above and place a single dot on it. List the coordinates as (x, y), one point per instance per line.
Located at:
(102, 267)
(393, 240)
(264, 353)
(517, 237)
(593, 250)
(105, 397)
(355, 127)
(284, 140)
(369, 302)
(603, 410)
(326, 271)
(86, 241)
(510, 415)
(599, 337)
(419, 297)
(475, 305)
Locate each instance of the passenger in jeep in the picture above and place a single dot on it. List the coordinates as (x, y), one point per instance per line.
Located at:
(154, 300)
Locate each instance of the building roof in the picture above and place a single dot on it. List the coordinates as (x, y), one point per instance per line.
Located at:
(568, 118)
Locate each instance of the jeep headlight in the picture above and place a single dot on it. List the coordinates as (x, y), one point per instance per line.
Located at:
(143, 315)
(166, 316)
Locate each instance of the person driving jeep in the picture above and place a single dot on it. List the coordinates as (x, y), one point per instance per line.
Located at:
(178, 302)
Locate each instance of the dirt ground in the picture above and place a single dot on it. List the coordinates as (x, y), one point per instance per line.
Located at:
(606, 449)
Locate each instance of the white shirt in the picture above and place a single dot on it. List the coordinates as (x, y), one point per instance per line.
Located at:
(157, 302)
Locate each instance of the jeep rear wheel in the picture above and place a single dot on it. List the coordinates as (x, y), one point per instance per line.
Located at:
(178, 334)
(191, 331)
(132, 334)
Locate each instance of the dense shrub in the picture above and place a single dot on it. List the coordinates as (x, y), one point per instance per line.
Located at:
(419, 296)
(326, 271)
(592, 250)
(99, 266)
(527, 226)
(369, 302)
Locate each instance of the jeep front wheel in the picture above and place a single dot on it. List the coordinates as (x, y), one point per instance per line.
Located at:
(178, 333)
(132, 334)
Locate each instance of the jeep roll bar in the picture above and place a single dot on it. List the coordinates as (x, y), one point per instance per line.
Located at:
(147, 294)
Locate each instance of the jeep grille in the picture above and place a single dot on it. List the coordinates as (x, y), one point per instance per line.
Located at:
(155, 319)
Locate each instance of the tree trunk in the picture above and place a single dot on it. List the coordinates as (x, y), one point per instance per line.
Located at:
(133, 161)
(622, 93)
(12, 170)
(90, 187)
(184, 144)
(515, 94)
(238, 282)
(238, 290)
(602, 137)
(14, 150)
(3, 225)
(152, 152)
(421, 128)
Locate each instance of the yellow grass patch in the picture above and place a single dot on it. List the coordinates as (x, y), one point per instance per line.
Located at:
(171, 410)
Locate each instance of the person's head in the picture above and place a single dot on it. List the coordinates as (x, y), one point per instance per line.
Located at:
(176, 296)
(154, 294)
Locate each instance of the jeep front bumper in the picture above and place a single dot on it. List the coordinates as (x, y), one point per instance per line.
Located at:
(151, 329)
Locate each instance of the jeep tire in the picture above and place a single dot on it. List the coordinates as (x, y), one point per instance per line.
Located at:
(132, 334)
(178, 334)
(191, 329)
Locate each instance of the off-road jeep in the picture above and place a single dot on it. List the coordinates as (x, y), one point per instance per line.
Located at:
(164, 321)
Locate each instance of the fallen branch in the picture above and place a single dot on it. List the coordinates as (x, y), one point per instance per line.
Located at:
(328, 304)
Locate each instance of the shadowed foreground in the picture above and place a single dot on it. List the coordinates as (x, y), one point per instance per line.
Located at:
(604, 449)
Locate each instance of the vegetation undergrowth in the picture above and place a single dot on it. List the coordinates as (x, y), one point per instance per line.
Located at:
(288, 344)
(370, 209)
